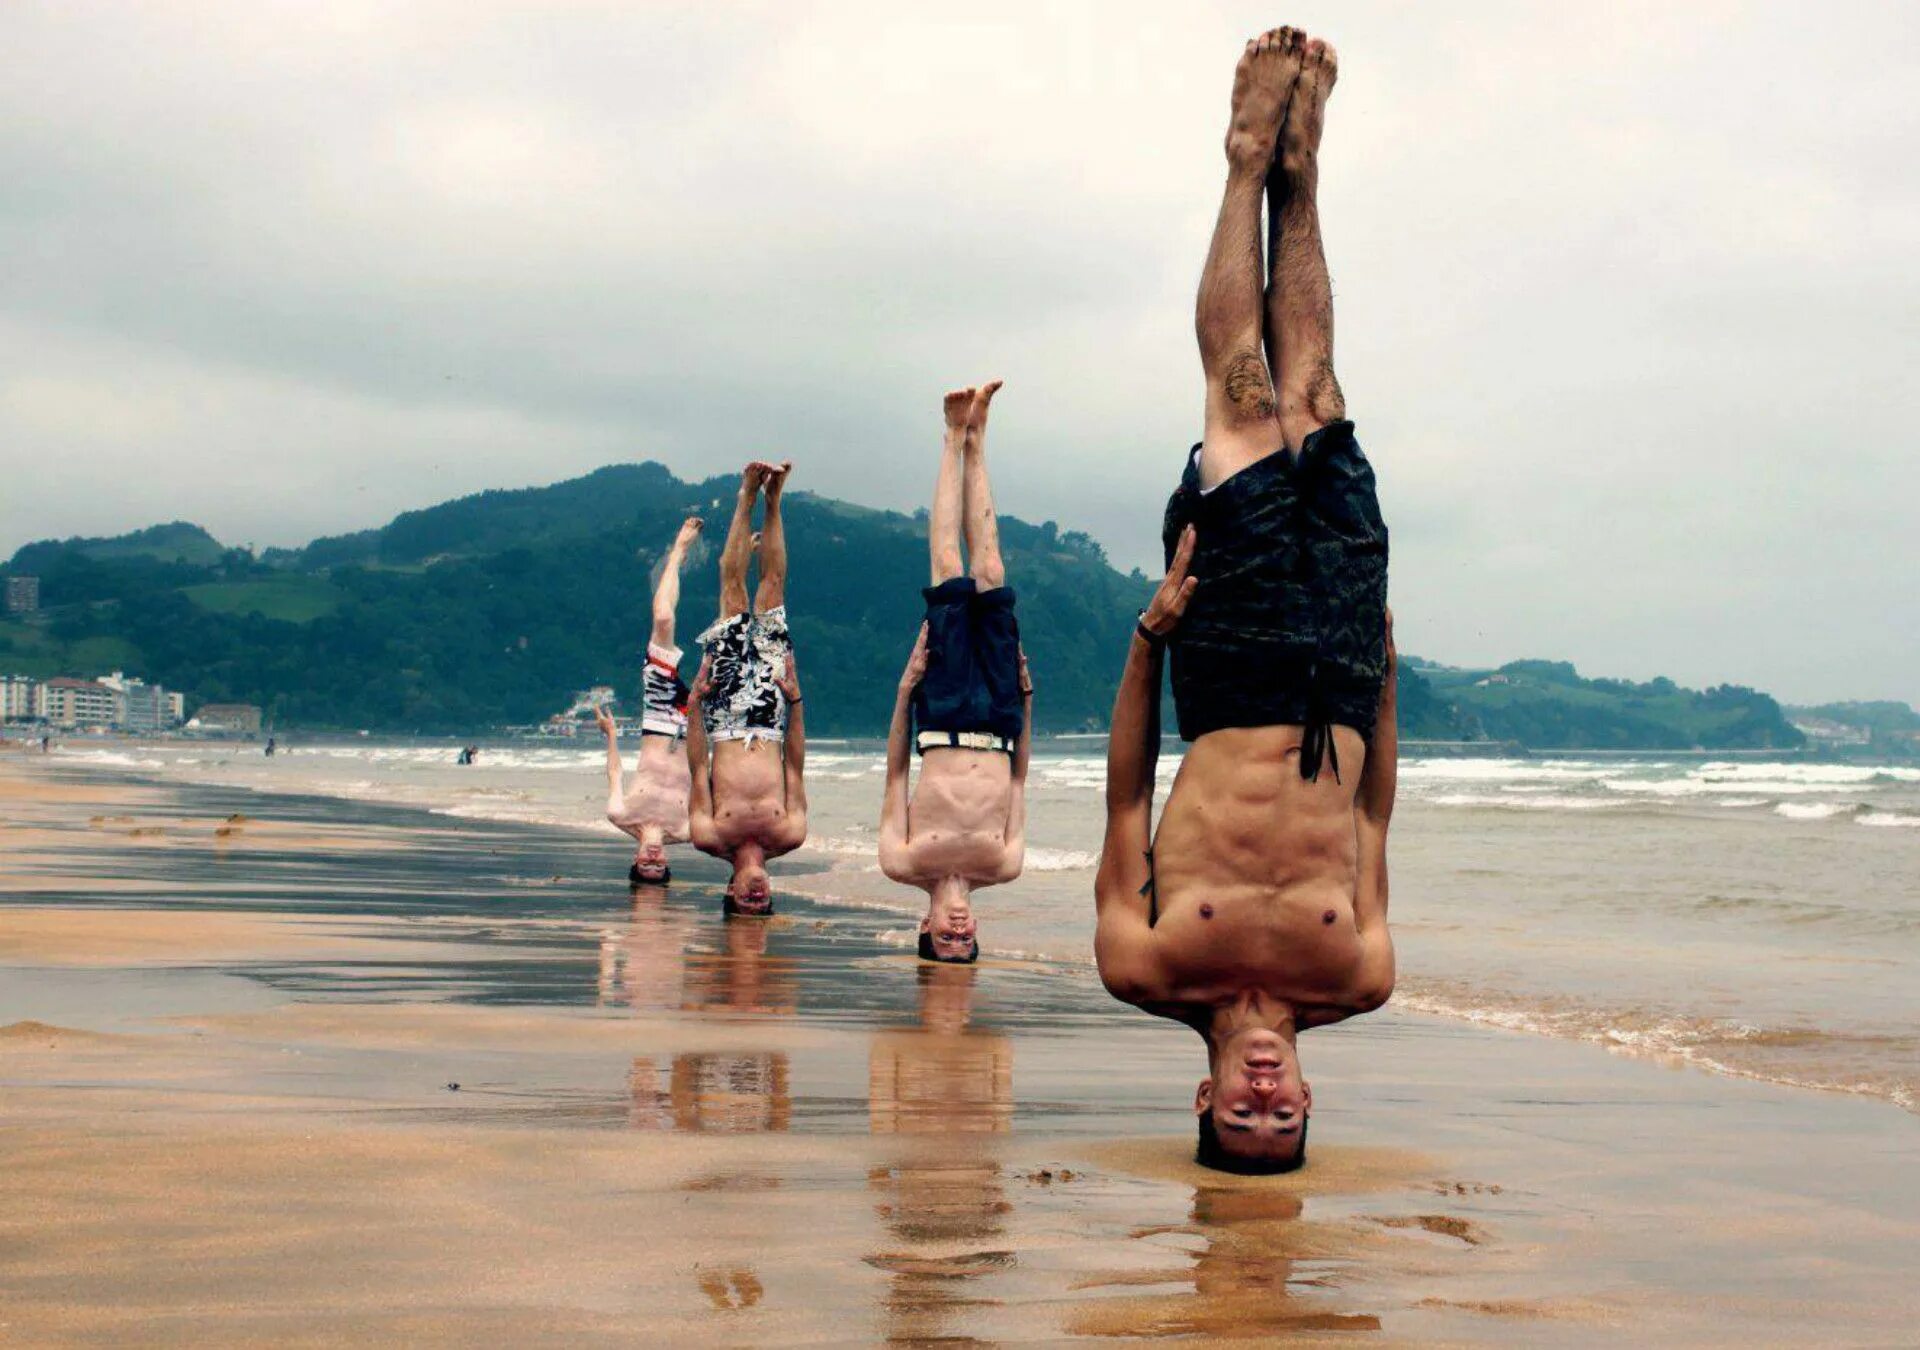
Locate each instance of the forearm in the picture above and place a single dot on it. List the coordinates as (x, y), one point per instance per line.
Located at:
(795, 749)
(893, 813)
(1380, 782)
(700, 799)
(1133, 742)
(1023, 749)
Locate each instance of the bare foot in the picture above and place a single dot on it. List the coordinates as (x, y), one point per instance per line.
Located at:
(955, 406)
(777, 478)
(689, 531)
(752, 477)
(1261, 83)
(977, 408)
(1307, 113)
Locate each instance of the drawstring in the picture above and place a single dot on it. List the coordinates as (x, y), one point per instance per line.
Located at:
(1318, 741)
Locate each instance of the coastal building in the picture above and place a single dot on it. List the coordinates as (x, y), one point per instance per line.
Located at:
(176, 708)
(22, 699)
(23, 595)
(144, 708)
(231, 719)
(80, 703)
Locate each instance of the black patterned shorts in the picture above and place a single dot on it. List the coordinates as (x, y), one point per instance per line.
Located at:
(1288, 624)
(746, 654)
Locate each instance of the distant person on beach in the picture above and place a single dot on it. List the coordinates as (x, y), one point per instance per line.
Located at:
(272, 745)
(652, 806)
(747, 743)
(1260, 907)
(964, 705)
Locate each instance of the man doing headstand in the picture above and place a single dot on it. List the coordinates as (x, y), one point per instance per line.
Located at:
(652, 807)
(1260, 907)
(965, 704)
(746, 742)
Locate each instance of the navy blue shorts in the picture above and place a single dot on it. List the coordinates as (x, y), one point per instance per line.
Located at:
(1288, 625)
(973, 661)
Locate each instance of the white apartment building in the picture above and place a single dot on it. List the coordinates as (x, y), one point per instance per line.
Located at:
(81, 703)
(22, 699)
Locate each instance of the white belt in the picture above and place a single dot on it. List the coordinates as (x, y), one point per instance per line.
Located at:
(962, 740)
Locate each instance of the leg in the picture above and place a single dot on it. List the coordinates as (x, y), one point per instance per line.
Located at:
(666, 591)
(949, 492)
(1241, 423)
(773, 545)
(983, 526)
(1300, 299)
(733, 558)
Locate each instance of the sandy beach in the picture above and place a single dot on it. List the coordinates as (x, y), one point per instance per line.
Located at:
(301, 1070)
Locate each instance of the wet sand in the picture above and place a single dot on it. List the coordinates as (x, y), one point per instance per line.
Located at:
(460, 1083)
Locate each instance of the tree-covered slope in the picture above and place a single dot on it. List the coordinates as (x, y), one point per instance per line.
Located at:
(494, 608)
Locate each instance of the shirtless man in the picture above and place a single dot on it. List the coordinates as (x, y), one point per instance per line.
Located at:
(746, 740)
(653, 807)
(967, 688)
(1260, 908)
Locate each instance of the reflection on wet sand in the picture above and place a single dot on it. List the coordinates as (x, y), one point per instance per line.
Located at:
(728, 1093)
(943, 1201)
(643, 965)
(741, 976)
(1257, 1275)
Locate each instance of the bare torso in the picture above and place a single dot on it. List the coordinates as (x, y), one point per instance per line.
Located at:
(656, 794)
(1255, 871)
(957, 819)
(750, 797)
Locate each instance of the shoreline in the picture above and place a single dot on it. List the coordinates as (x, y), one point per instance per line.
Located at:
(670, 1125)
(1708, 1048)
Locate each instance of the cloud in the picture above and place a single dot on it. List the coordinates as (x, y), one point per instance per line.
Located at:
(1624, 294)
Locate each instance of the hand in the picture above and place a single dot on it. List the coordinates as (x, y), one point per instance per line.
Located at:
(789, 684)
(1026, 676)
(916, 670)
(605, 719)
(1170, 601)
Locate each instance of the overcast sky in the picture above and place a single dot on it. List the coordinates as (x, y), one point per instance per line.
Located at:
(1627, 294)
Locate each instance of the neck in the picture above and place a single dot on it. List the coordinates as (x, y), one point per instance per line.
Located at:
(1249, 1011)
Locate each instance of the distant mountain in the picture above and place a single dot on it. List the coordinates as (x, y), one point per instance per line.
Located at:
(492, 609)
(178, 542)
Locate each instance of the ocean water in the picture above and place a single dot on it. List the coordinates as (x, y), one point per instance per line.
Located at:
(1743, 917)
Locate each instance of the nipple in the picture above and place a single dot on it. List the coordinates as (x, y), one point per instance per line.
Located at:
(1206, 911)
(1327, 917)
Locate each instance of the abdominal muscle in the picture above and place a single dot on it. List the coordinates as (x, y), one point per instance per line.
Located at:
(1255, 867)
(957, 821)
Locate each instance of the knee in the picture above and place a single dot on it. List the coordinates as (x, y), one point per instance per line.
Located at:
(1246, 387)
(1310, 404)
(989, 574)
(946, 564)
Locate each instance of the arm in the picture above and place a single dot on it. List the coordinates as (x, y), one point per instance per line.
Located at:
(794, 748)
(701, 830)
(1133, 753)
(1373, 810)
(1013, 858)
(605, 720)
(895, 860)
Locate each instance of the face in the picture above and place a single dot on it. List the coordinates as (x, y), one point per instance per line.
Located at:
(952, 927)
(650, 862)
(751, 889)
(1257, 1097)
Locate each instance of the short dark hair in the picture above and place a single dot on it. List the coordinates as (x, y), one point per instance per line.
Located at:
(927, 952)
(1211, 1154)
(635, 879)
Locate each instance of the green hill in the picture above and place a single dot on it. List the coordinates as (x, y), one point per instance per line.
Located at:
(492, 609)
